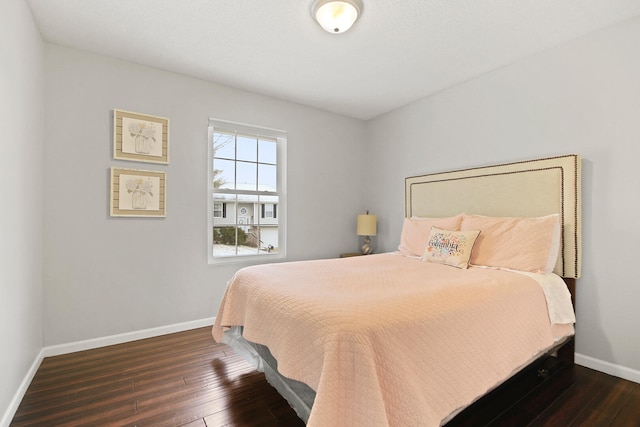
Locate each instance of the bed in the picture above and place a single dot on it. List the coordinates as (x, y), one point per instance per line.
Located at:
(473, 295)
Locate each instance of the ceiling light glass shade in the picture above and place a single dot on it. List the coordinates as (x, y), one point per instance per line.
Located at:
(336, 16)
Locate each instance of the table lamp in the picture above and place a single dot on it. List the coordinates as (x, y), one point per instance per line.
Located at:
(367, 227)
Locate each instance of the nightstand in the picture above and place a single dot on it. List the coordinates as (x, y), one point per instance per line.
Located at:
(350, 254)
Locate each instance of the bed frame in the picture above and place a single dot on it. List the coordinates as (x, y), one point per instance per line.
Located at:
(527, 188)
(524, 189)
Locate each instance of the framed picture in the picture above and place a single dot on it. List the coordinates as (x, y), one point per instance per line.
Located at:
(140, 137)
(138, 193)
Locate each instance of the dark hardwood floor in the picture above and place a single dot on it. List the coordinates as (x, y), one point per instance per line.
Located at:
(186, 379)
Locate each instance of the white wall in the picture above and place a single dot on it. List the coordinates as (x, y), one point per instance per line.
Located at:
(582, 97)
(105, 276)
(21, 120)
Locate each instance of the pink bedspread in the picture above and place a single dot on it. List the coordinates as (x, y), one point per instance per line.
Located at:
(386, 340)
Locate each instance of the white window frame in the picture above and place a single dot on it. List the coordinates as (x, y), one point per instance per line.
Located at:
(281, 144)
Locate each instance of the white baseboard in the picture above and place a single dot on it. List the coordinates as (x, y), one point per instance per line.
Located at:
(608, 368)
(17, 397)
(56, 350)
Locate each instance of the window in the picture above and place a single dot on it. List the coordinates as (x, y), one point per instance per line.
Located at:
(246, 192)
(219, 210)
(269, 210)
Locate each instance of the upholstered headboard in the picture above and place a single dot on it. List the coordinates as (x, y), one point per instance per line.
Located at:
(521, 189)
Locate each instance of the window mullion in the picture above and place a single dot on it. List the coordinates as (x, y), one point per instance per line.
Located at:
(257, 165)
(247, 192)
(235, 161)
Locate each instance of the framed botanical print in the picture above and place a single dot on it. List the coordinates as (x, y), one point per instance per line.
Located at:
(137, 192)
(140, 137)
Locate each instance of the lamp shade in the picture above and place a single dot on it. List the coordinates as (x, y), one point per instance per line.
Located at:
(336, 16)
(367, 225)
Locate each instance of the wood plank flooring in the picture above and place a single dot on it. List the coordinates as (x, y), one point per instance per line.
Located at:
(186, 379)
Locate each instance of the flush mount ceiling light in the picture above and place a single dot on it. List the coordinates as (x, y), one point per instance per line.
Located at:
(336, 16)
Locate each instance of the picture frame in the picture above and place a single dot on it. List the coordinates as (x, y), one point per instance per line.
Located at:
(140, 137)
(138, 193)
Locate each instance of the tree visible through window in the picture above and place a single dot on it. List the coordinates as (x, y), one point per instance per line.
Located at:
(246, 191)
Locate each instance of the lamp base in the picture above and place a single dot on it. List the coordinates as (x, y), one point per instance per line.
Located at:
(366, 247)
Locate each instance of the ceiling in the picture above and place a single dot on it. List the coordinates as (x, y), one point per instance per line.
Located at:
(398, 51)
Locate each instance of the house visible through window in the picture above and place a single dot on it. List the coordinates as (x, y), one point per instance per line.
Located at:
(246, 182)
